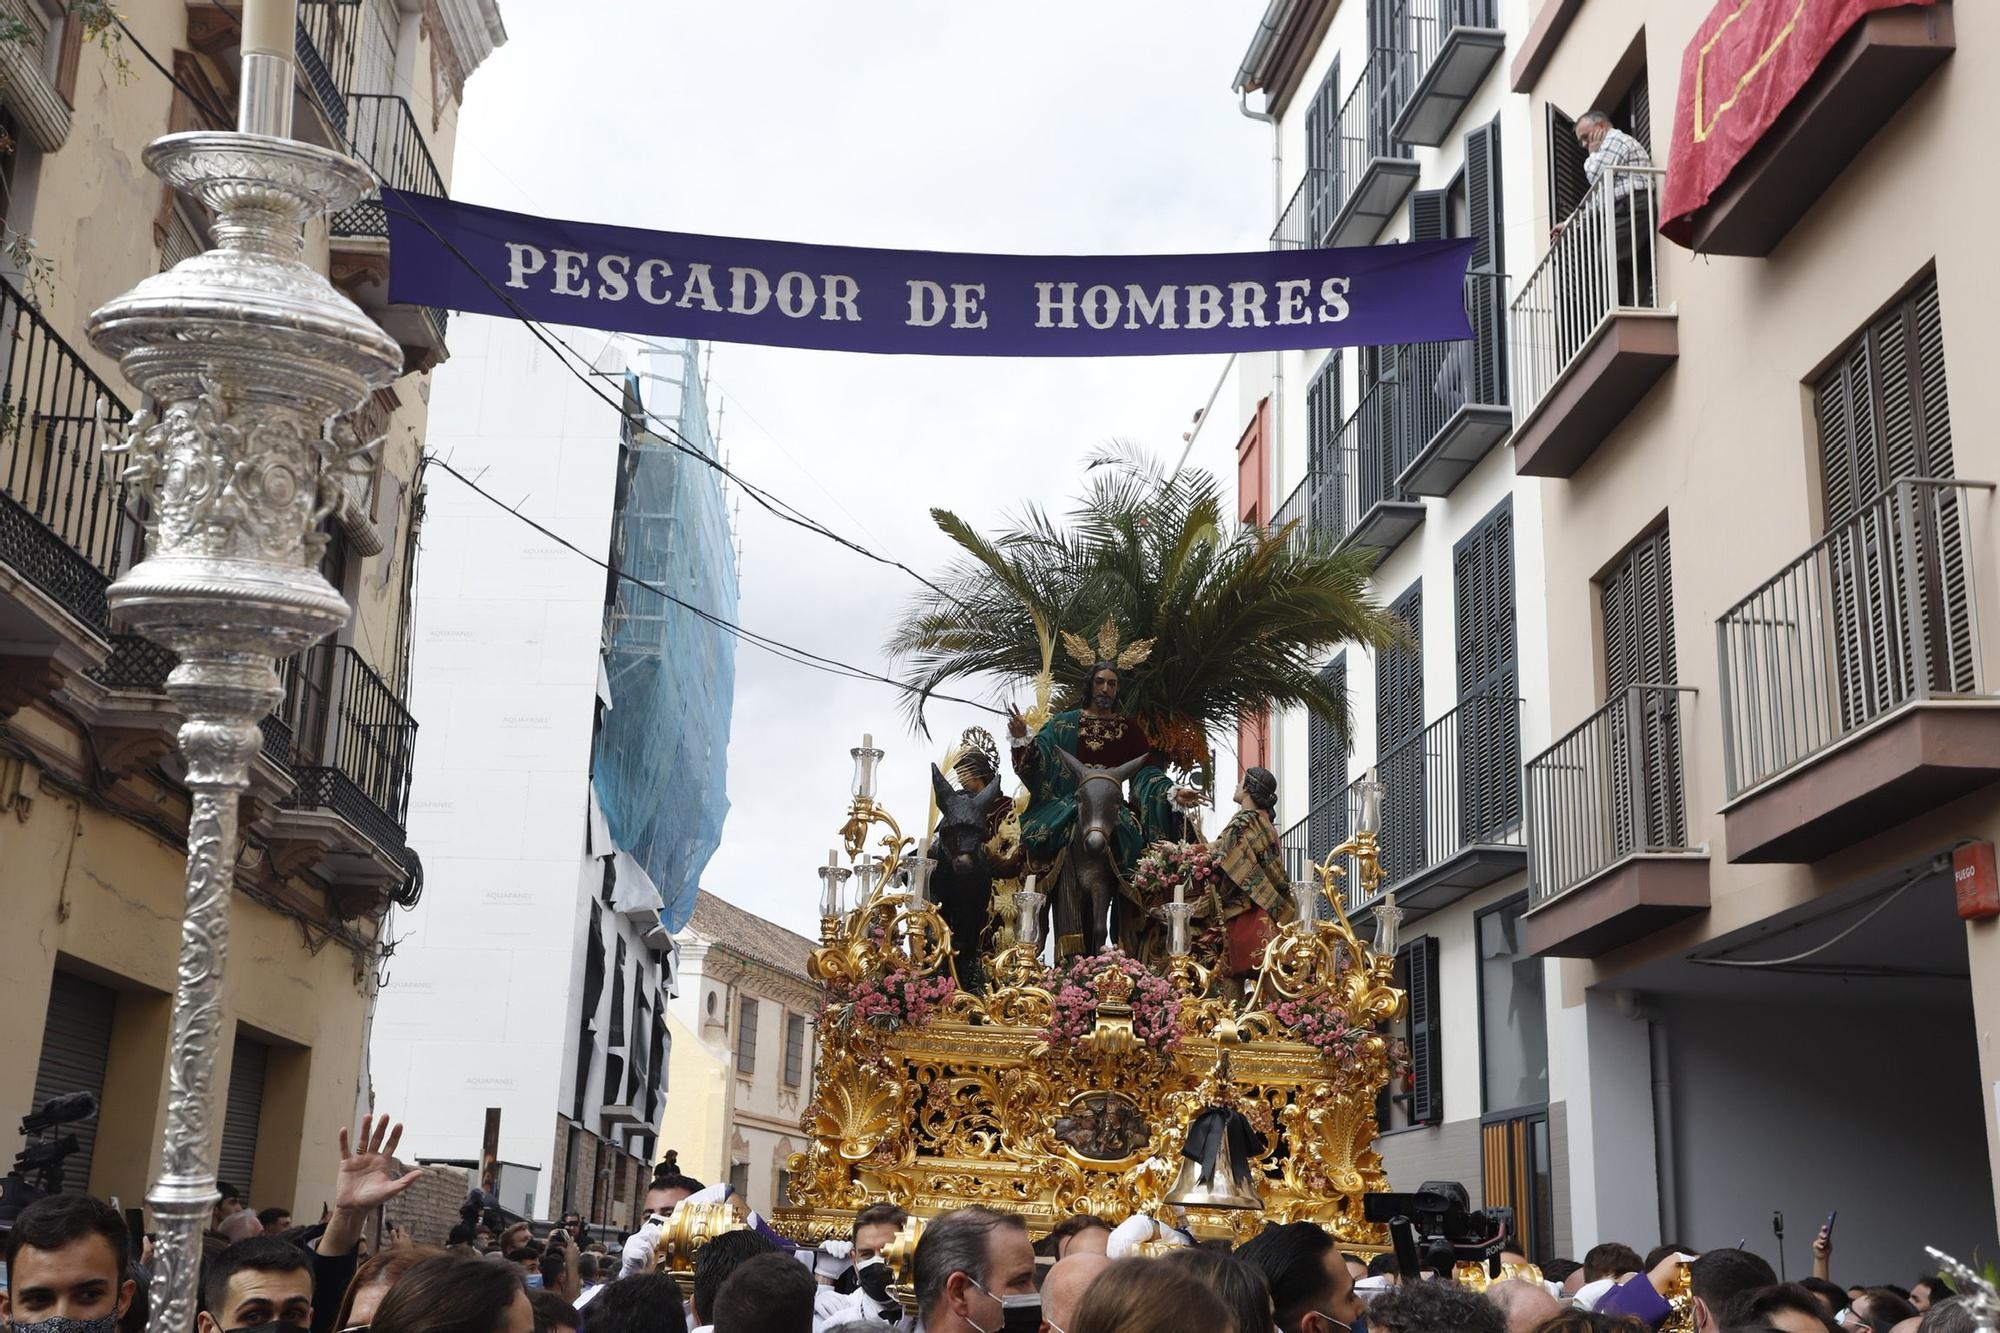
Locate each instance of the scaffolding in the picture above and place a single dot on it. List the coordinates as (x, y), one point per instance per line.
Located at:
(660, 763)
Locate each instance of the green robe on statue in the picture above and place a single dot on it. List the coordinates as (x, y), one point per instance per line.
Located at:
(1100, 742)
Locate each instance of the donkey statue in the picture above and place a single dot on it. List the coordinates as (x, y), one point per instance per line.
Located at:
(1087, 886)
(962, 883)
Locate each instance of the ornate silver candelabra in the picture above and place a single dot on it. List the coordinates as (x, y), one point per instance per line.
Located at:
(250, 357)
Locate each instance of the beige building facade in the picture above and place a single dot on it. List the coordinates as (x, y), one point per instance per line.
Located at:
(92, 853)
(1768, 537)
(743, 1024)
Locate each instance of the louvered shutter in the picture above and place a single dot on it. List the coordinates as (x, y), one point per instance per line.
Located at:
(1489, 727)
(1326, 777)
(76, 1044)
(1565, 159)
(1486, 295)
(1883, 414)
(1634, 112)
(1430, 213)
(1426, 1037)
(1322, 156)
(241, 1114)
(1399, 727)
(1637, 599)
(1322, 428)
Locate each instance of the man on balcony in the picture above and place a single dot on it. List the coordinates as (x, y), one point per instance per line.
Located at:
(1609, 149)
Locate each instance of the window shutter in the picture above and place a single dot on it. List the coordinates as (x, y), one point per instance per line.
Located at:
(1323, 418)
(1489, 738)
(1429, 214)
(1634, 112)
(746, 1037)
(1326, 765)
(1322, 155)
(76, 1045)
(1426, 1040)
(241, 1112)
(1399, 725)
(795, 1050)
(1637, 597)
(1486, 297)
(1566, 180)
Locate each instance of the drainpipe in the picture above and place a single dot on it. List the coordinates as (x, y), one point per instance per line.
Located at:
(1277, 216)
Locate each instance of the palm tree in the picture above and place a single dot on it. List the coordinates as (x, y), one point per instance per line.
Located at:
(1242, 616)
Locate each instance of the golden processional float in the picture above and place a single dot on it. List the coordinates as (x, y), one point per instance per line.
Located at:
(1054, 1092)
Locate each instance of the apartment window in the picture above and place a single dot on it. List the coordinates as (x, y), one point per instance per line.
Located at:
(1419, 1098)
(739, 1177)
(795, 1050)
(616, 1037)
(241, 1112)
(1253, 469)
(1489, 718)
(1636, 597)
(1399, 746)
(1882, 410)
(1513, 1024)
(1323, 417)
(784, 1187)
(1322, 155)
(1326, 771)
(76, 1046)
(746, 1037)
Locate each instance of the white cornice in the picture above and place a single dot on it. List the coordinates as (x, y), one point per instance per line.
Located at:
(475, 29)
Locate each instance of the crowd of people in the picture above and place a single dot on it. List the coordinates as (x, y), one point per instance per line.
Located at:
(71, 1269)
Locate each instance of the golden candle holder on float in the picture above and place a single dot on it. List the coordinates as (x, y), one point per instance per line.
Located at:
(955, 1097)
(689, 1227)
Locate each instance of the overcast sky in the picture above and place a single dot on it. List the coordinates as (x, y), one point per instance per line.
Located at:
(1101, 126)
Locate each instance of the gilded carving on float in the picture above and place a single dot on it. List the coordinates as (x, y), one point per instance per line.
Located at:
(934, 1096)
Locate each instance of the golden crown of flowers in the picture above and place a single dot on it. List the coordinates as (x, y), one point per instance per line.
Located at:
(1107, 649)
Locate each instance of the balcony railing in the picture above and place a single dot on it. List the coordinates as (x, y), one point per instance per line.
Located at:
(1453, 786)
(1614, 786)
(1369, 453)
(1307, 843)
(1361, 135)
(1451, 45)
(351, 740)
(1602, 262)
(325, 46)
(62, 515)
(385, 136)
(1437, 380)
(1877, 614)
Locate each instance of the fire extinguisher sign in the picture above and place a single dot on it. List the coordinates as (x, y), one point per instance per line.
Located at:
(1973, 878)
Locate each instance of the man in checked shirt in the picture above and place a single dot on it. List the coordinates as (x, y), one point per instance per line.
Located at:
(1630, 204)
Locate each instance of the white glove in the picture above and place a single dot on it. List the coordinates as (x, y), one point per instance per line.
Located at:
(839, 1249)
(1136, 1230)
(638, 1257)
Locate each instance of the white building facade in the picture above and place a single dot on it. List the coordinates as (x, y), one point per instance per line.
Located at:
(532, 982)
(1393, 121)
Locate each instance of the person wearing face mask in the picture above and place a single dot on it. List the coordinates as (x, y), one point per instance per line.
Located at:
(262, 1283)
(975, 1272)
(1311, 1289)
(66, 1261)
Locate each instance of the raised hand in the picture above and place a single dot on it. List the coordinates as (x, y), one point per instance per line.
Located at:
(368, 1174)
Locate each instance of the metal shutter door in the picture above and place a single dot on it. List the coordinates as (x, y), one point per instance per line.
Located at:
(75, 1045)
(240, 1115)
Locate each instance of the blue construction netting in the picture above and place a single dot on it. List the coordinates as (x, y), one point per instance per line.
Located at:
(661, 760)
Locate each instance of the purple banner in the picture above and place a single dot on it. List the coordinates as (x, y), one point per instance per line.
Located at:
(847, 299)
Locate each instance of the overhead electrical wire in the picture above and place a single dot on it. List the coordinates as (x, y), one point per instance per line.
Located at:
(776, 647)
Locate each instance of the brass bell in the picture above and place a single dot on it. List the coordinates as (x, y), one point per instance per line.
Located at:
(1215, 1164)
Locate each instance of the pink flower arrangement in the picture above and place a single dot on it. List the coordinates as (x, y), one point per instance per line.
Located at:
(1073, 1012)
(1166, 864)
(1326, 1029)
(897, 999)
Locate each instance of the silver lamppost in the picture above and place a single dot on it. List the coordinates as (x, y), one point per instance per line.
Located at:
(249, 356)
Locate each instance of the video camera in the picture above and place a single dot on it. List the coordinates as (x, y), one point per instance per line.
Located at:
(1437, 1218)
(38, 1167)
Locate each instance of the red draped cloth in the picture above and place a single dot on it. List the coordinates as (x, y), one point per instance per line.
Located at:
(1744, 65)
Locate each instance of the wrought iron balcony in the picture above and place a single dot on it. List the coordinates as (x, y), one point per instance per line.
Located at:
(1451, 809)
(326, 38)
(1853, 687)
(62, 516)
(1609, 852)
(385, 135)
(1372, 509)
(1452, 46)
(351, 740)
(1588, 331)
(1454, 394)
(1349, 202)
